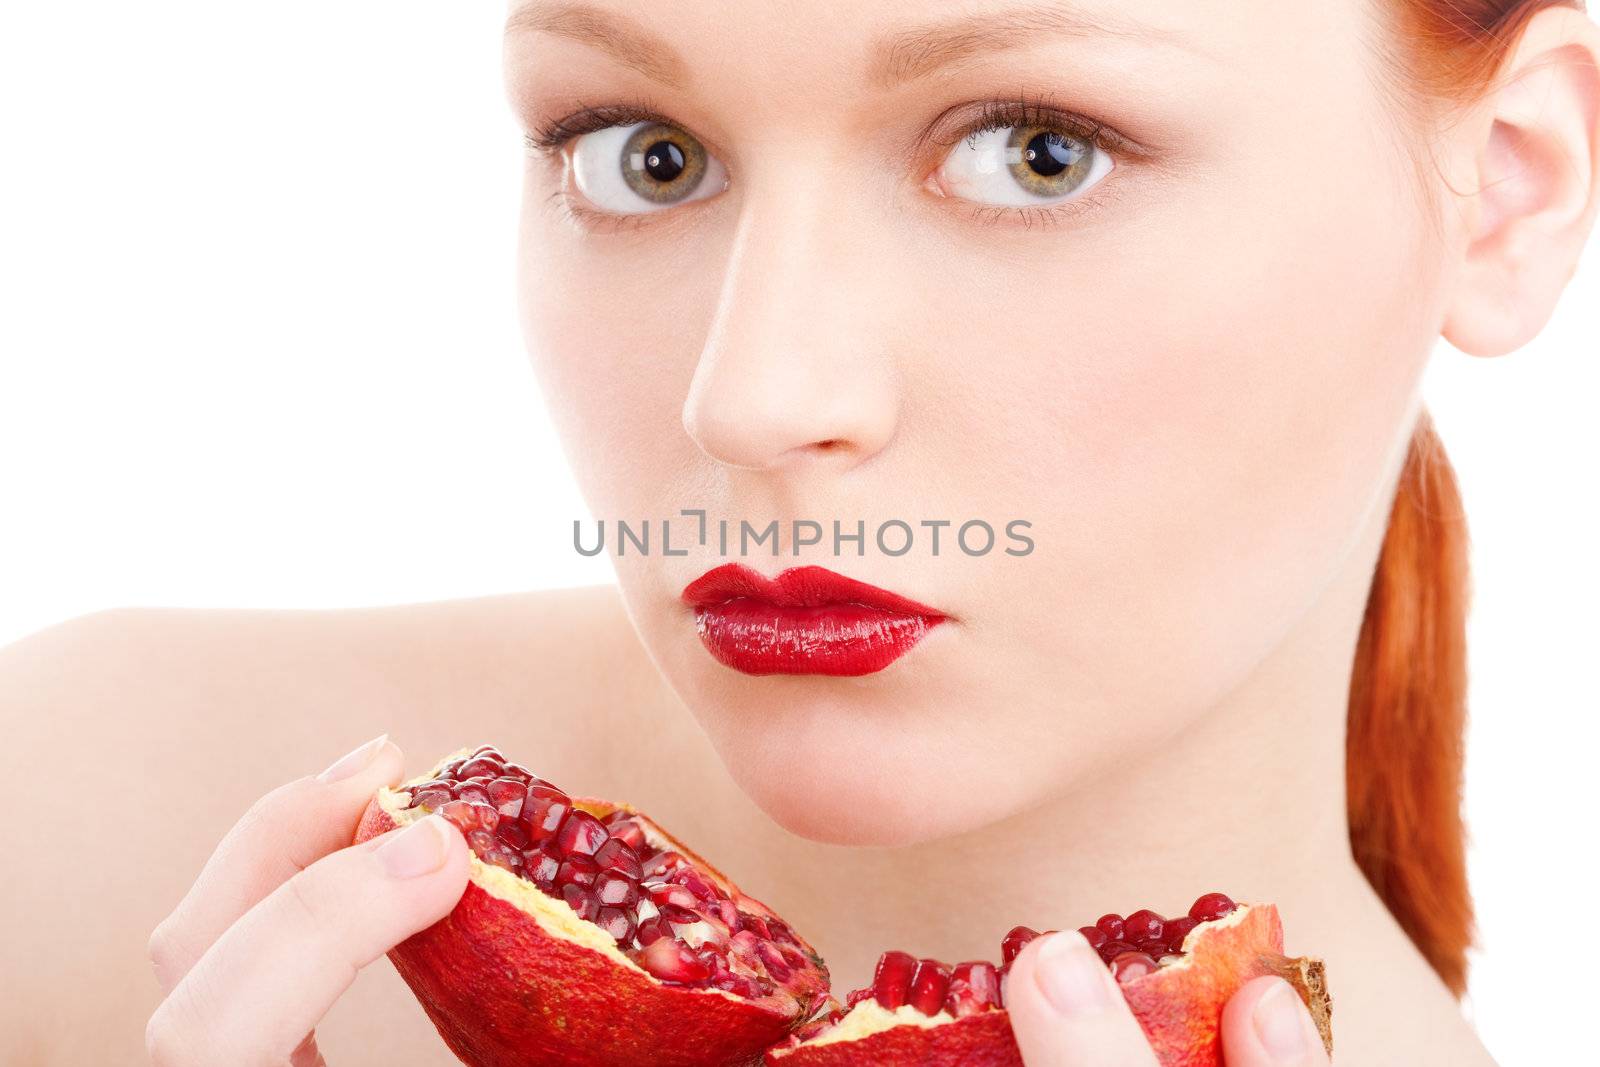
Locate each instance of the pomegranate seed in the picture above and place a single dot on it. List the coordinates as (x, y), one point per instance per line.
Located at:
(611, 887)
(475, 791)
(1014, 941)
(543, 813)
(667, 895)
(974, 987)
(580, 901)
(857, 997)
(892, 981)
(624, 829)
(740, 985)
(469, 816)
(697, 884)
(506, 796)
(650, 929)
(677, 915)
(773, 960)
(432, 796)
(577, 870)
(1111, 925)
(1177, 930)
(481, 766)
(661, 863)
(781, 932)
(1211, 907)
(518, 771)
(1112, 949)
(1131, 965)
(615, 855)
(730, 916)
(499, 857)
(1152, 947)
(580, 834)
(1143, 925)
(1094, 935)
(513, 833)
(615, 922)
(671, 962)
(930, 982)
(542, 866)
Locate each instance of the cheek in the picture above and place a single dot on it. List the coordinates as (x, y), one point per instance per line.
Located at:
(612, 325)
(1199, 419)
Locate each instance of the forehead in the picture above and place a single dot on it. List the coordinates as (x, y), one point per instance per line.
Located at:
(883, 44)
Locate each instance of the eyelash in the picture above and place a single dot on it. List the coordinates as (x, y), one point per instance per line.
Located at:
(550, 138)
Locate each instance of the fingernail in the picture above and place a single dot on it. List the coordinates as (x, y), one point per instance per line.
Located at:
(354, 761)
(417, 850)
(1071, 976)
(1278, 1026)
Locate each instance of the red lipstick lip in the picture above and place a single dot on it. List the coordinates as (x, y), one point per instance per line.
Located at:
(804, 620)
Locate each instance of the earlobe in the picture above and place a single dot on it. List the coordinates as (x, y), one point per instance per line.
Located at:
(1533, 189)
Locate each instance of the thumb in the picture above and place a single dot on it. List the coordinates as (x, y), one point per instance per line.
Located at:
(1067, 1011)
(1267, 1025)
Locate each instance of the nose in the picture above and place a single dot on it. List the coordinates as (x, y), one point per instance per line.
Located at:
(797, 367)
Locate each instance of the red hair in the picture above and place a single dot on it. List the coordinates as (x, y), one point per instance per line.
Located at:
(1404, 744)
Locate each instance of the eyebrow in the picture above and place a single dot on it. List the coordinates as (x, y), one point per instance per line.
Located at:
(900, 57)
(916, 53)
(618, 36)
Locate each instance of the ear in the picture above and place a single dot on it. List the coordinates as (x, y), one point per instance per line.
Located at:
(1535, 161)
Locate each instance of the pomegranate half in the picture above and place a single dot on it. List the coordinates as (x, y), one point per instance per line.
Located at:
(1176, 974)
(588, 935)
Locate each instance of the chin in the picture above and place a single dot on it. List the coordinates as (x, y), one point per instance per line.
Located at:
(841, 777)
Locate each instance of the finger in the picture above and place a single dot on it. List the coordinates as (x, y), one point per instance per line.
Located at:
(268, 980)
(1067, 1011)
(1266, 1024)
(284, 832)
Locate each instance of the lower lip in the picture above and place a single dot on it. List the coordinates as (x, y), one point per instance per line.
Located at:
(759, 637)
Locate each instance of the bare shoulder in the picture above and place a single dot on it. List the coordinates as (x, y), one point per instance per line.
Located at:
(247, 684)
(156, 728)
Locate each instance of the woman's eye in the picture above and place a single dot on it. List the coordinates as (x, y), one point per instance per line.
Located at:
(1022, 166)
(629, 170)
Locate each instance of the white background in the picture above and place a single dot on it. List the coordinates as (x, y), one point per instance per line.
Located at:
(258, 348)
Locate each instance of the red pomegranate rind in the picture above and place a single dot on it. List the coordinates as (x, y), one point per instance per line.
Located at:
(976, 1041)
(1179, 1007)
(505, 986)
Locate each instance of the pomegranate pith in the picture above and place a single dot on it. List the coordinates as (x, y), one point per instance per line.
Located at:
(533, 829)
(1175, 974)
(589, 936)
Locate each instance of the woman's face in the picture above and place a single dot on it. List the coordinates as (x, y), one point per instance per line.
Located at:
(1186, 356)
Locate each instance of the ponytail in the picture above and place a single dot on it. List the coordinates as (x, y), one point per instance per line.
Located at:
(1403, 749)
(1404, 744)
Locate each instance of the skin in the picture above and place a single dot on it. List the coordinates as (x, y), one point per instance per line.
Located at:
(1207, 457)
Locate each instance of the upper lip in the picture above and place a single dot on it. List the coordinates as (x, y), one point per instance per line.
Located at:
(800, 587)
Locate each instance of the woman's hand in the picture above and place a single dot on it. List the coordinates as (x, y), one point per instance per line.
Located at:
(1067, 1012)
(284, 915)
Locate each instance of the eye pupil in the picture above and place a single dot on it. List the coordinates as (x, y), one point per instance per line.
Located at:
(1049, 154)
(664, 161)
